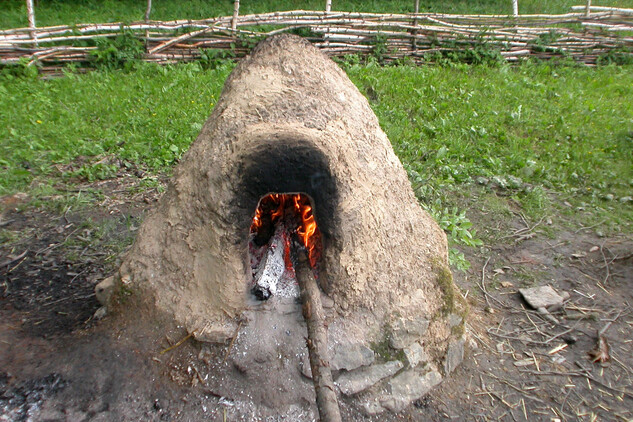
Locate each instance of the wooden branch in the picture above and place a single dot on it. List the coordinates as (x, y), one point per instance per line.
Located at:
(327, 402)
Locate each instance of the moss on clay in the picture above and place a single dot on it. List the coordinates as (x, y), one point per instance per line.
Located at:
(383, 350)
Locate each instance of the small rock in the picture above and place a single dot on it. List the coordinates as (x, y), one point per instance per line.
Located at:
(482, 180)
(304, 366)
(454, 320)
(542, 297)
(514, 182)
(415, 354)
(100, 313)
(454, 355)
(361, 379)
(351, 356)
(104, 290)
(626, 199)
(408, 387)
(372, 407)
(406, 331)
(326, 301)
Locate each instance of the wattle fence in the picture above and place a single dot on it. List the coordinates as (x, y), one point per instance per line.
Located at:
(584, 35)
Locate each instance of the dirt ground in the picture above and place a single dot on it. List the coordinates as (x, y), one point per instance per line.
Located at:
(57, 362)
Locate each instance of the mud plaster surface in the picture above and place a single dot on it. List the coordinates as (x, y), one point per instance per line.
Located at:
(382, 252)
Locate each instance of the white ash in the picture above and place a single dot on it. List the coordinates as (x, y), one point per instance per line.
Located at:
(271, 278)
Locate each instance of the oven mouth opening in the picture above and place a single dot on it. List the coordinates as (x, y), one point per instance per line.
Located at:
(283, 225)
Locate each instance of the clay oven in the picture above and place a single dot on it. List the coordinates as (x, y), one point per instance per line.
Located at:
(289, 121)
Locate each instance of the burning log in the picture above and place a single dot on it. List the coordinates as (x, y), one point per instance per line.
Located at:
(272, 277)
(327, 402)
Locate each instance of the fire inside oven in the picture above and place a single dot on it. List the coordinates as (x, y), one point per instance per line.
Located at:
(280, 220)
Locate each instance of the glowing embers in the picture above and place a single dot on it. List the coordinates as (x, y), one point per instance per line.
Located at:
(280, 220)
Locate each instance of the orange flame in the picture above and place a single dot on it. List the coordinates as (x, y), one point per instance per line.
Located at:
(274, 206)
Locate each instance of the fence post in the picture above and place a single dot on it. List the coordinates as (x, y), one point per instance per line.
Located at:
(147, 12)
(328, 6)
(415, 25)
(588, 11)
(515, 7)
(236, 12)
(31, 14)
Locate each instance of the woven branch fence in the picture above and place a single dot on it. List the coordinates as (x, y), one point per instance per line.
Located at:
(582, 35)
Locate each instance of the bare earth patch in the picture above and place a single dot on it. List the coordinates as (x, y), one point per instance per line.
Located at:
(60, 363)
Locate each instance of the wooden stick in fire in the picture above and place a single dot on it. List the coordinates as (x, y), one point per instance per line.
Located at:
(327, 402)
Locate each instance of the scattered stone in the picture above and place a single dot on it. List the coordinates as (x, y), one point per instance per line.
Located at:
(326, 301)
(454, 355)
(542, 297)
(407, 331)
(104, 290)
(408, 387)
(372, 407)
(354, 382)
(514, 182)
(100, 313)
(415, 354)
(482, 180)
(351, 356)
(304, 366)
(500, 181)
(454, 320)
(506, 284)
(626, 199)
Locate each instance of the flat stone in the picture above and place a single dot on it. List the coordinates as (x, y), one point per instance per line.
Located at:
(361, 379)
(104, 290)
(100, 313)
(351, 356)
(454, 355)
(407, 331)
(454, 320)
(415, 354)
(542, 297)
(304, 366)
(409, 386)
(372, 407)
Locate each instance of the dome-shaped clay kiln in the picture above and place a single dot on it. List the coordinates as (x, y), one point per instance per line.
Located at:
(289, 121)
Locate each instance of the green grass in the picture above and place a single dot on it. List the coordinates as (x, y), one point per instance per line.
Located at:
(527, 130)
(146, 117)
(56, 12)
(535, 136)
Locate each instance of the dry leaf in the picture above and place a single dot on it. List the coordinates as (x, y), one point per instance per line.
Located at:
(601, 352)
(593, 249)
(506, 284)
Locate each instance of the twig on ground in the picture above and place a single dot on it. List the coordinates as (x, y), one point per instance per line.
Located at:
(181, 341)
(11, 259)
(606, 264)
(228, 350)
(482, 287)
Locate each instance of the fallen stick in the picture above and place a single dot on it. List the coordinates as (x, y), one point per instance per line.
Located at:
(327, 402)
